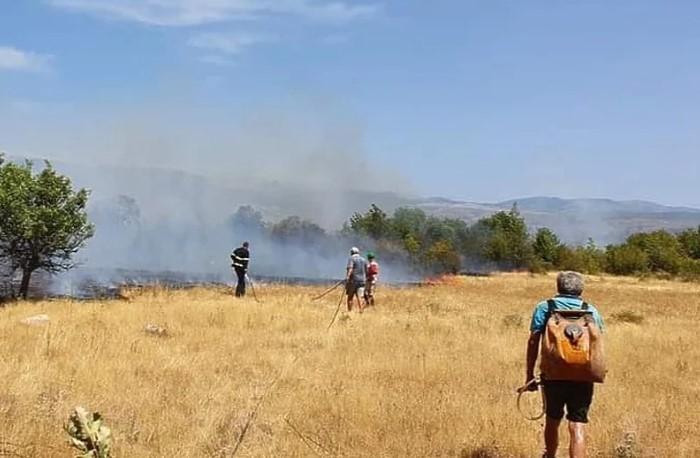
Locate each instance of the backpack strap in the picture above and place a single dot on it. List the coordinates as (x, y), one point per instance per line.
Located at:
(588, 317)
(551, 307)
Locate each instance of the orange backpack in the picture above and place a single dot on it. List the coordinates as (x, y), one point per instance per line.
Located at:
(572, 346)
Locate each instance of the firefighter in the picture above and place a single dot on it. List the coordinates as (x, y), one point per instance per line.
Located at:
(240, 258)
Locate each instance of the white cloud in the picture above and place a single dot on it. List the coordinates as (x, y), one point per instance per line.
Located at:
(16, 59)
(197, 12)
(229, 43)
(336, 11)
(216, 59)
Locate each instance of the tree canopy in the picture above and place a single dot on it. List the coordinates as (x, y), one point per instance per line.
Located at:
(43, 221)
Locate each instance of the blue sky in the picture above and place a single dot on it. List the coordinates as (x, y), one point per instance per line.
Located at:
(476, 100)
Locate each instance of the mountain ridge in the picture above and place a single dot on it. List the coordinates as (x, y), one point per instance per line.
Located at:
(183, 197)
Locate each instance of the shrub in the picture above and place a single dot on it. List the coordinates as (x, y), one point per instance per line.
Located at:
(89, 435)
(626, 260)
(690, 242)
(537, 266)
(691, 269)
(628, 447)
(513, 321)
(442, 257)
(588, 259)
(662, 248)
(627, 316)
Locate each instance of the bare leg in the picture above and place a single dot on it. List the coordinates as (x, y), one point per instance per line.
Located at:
(350, 298)
(577, 440)
(551, 437)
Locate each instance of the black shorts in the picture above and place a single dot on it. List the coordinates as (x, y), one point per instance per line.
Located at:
(576, 396)
(354, 287)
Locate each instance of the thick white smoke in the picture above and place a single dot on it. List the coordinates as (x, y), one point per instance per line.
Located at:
(166, 177)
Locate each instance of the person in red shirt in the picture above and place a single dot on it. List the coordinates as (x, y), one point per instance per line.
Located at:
(372, 275)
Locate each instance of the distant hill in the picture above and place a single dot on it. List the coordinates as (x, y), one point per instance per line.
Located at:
(575, 220)
(185, 198)
(556, 204)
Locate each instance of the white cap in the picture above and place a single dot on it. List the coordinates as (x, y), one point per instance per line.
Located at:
(354, 250)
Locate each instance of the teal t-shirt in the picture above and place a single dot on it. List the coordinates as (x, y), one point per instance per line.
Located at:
(539, 316)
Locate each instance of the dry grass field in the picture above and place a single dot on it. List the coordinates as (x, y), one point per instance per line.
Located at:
(431, 371)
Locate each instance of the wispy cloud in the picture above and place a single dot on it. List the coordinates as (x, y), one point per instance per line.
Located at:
(16, 59)
(220, 47)
(216, 59)
(178, 13)
(227, 43)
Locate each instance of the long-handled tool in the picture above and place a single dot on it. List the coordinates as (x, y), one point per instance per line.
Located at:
(328, 291)
(252, 287)
(524, 389)
(337, 309)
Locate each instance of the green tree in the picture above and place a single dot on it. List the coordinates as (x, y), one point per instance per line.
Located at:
(662, 248)
(473, 242)
(374, 224)
(442, 257)
(437, 230)
(246, 221)
(508, 239)
(546, 245)
(626, 260)
(411, 245)
(408, 221)
(690, 242)
(296, 230)
(594, 257)
(247, 224)
(43, 221)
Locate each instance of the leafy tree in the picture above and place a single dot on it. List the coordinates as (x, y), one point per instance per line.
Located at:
(5, 280)
(691, 269)
(408, 222)
(508, 240)
(662, 248)
(411, 245)
(546, 245)
(297, 230)
(247, 223)
(593, 257)
(473, 242)
(626, 260)
(690, 242)
(43, 221)
(442, 257)
(373, 224)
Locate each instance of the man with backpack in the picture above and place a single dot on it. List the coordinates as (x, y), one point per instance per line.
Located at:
(571, 361)
(240, 259)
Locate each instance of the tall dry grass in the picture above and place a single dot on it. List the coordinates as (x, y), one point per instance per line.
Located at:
(429, 372)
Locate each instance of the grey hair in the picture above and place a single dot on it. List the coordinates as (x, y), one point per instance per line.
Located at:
(570, 283)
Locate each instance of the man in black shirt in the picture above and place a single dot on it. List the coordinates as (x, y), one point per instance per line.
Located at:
(240, 258)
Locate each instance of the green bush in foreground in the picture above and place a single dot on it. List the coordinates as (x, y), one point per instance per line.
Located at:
(89, 435)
